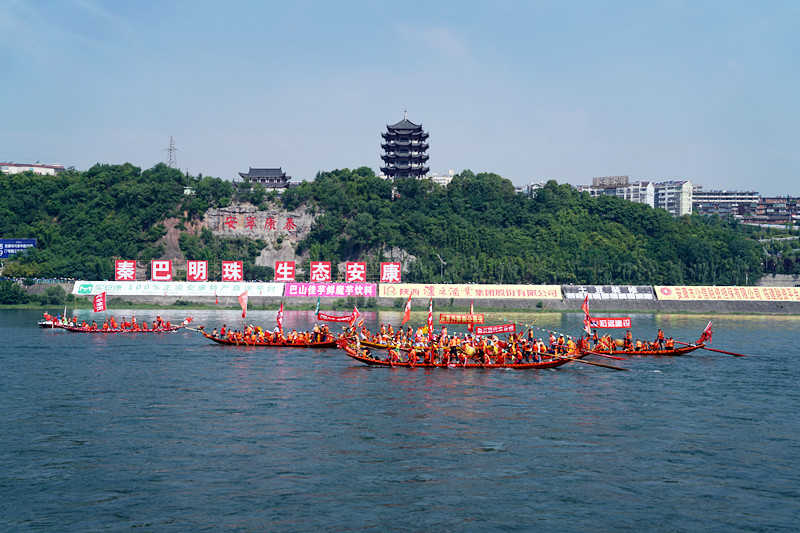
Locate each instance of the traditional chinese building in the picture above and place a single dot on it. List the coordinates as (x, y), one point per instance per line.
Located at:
(404, 146)
(270, 178)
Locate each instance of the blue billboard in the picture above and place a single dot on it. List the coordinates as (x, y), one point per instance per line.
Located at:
(12, 246)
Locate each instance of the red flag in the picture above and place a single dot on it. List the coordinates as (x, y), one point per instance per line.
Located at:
(243, 303)
(585, 306)
(407, 312)
(471, 312)
(354, 317)
(586, 327)
(430, 319)
(99, 302)
(279, 318)
(706, 336)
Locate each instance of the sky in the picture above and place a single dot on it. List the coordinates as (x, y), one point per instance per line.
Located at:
(532, 90)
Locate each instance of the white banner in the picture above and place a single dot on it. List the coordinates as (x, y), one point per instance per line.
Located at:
(177, 288)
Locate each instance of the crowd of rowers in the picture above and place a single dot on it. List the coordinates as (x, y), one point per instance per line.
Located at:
(110, 324)
(257, 335)
(458, 348)
(607, 344)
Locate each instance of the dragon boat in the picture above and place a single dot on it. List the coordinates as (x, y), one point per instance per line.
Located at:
(549, 361)
(329, 342)
(674, 352)
(80, 329)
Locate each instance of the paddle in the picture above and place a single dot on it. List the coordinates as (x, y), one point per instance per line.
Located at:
(606, 355)
(713, 349)
(593, 363)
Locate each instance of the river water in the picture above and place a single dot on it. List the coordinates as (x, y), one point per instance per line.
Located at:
(169, 432)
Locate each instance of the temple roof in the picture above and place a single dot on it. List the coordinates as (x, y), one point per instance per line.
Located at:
(263, 173)
(404, 124)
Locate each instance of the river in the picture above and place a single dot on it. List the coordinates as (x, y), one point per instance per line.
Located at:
(168, 432)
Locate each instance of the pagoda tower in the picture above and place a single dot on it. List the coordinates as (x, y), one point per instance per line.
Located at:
(404, 146)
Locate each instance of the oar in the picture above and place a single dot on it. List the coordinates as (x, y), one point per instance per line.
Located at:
(593, 363)
(606, 355)
(713, 349)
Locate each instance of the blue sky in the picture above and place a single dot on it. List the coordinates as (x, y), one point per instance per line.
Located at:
(565, 90)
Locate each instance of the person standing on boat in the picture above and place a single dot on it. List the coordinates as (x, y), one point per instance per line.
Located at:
(660, 339)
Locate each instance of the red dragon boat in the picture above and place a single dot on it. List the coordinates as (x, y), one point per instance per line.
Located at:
(550, 361)
(684, 350)
(80, 329)
(329, 342)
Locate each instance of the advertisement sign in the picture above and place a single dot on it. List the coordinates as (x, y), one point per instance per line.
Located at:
(466, 290)
(494, 330)
(330, 290)
(177, 288)
(608, 292)
(9, 247)
(731, 294)
(460, 318)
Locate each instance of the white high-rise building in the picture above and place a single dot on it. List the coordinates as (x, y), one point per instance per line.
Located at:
(674, 196)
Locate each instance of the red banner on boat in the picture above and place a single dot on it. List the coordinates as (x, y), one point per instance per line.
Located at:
(99, 301)
(493, 330)
(460, 318)
(609, 323)
(332, 318)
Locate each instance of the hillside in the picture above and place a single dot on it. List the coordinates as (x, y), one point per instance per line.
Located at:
(475, 230)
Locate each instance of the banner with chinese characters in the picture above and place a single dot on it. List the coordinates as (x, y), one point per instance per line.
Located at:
(330, 290)
(460, 318)
(609, 323)
(494, 330)
(177, 288)
(9, 247)
(733, 294)
(333, 318)
(608, 292)
(464, 290)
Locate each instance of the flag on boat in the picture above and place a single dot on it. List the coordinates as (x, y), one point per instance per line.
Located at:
(586, 326)
(430, 319)
(471, 312)
(279, 318)
(407, 311)
(585, 306)
(99, 302)
(354, 316)
(706, 336)
(316, 311)
(243, 303)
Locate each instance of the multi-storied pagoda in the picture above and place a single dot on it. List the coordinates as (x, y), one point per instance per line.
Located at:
(405, 147)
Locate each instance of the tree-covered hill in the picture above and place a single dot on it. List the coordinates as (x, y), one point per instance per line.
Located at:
(485, 233)
(477, 225)
(83, 220)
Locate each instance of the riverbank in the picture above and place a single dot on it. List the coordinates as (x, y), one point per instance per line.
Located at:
(442, 305)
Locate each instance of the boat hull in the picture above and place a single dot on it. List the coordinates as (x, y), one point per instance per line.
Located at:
(677, 352)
